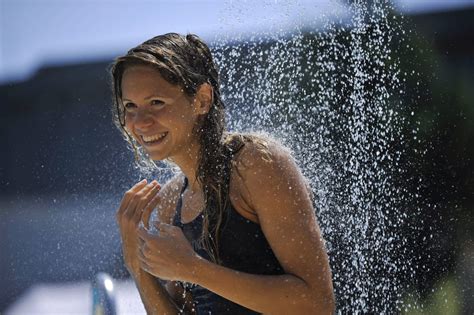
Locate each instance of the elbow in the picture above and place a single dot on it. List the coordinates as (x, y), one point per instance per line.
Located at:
(322, 304)
(328, 306)
(309, 304)
(322, 307)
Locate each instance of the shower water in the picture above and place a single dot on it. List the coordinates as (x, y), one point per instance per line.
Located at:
(332, 93)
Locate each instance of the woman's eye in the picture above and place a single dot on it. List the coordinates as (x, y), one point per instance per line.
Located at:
(157, 102)
(129, 105)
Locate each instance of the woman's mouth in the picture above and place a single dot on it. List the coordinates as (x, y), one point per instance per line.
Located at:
(154, 139)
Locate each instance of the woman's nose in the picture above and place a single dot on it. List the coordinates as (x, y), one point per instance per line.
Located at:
(143, 119)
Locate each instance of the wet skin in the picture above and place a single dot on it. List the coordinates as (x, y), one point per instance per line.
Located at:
(274, 192)
(154, 106)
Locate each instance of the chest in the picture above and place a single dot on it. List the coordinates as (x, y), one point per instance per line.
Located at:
(193, 203)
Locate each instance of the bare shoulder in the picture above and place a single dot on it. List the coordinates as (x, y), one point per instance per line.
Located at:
(264, 156)
(280, 196)
(262, 163)
(169, 194)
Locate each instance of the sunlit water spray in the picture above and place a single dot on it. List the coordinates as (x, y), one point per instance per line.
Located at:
(332, 94)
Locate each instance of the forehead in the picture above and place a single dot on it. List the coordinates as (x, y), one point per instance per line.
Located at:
(142, 79)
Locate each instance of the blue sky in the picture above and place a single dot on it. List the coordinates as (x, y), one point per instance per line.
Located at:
(38, 32)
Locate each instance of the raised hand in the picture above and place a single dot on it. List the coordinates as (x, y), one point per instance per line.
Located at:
(167, 254)
(137, 202)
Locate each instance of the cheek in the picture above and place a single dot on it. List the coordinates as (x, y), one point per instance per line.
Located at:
(129, 126)
(130, 119)
(188, 126)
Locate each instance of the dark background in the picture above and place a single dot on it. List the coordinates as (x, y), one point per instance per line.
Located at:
(64, 167)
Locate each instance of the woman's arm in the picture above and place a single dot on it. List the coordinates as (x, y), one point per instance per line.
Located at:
(277, 191)
(137, 205)
(182, 298)
(282, 294)
(169, 298)
(154, 296)
(278, 194)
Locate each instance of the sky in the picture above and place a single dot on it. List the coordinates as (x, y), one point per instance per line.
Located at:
(34, 33)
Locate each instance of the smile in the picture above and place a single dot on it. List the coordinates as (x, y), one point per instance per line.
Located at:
(154, 139)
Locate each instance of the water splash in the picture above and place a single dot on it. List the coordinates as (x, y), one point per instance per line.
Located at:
(333, 95)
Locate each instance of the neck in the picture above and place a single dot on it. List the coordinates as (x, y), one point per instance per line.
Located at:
(188, 163)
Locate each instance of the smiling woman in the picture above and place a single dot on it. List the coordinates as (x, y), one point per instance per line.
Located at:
(158, 114)
(237, 233)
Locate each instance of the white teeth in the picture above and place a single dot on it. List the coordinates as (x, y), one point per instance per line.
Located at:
(154, 137)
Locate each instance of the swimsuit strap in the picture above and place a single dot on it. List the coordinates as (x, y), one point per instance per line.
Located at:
(179, 205)
(233, 149)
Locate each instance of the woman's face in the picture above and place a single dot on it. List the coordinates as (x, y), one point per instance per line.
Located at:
(158, 114)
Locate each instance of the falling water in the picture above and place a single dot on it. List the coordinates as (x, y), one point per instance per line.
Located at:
(333, 95)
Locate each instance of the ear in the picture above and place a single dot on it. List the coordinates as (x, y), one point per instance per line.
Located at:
(203, 99)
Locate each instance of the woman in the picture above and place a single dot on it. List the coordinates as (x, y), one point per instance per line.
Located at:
(236, 232)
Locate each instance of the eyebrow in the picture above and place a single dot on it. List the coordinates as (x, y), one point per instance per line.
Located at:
(146, 98)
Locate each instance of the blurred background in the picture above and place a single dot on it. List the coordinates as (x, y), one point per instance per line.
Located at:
(64, 166)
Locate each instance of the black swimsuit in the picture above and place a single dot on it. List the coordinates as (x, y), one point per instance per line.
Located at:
(242, 247)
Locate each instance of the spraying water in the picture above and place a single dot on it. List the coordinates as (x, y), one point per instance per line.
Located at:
(333, 96)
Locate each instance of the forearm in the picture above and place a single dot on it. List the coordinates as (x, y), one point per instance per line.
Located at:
(268, 294)
(154, 296)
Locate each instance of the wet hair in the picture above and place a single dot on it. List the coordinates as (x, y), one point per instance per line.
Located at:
(185, 60)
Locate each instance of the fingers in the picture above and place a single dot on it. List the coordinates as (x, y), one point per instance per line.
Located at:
(143, 234)
(141, 254)
(141, 242)
(149, 209)
(165, 229)
(146, 252)
(143, 261)
(149, 203)
(134, 209)
(128, 196)
(147, 195)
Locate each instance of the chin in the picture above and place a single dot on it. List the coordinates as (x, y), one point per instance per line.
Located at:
(158, 156)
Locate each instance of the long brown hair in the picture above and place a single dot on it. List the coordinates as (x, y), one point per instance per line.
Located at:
(185, 60)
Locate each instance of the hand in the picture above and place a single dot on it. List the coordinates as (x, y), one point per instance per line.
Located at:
(167, 255)
(137, 203)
